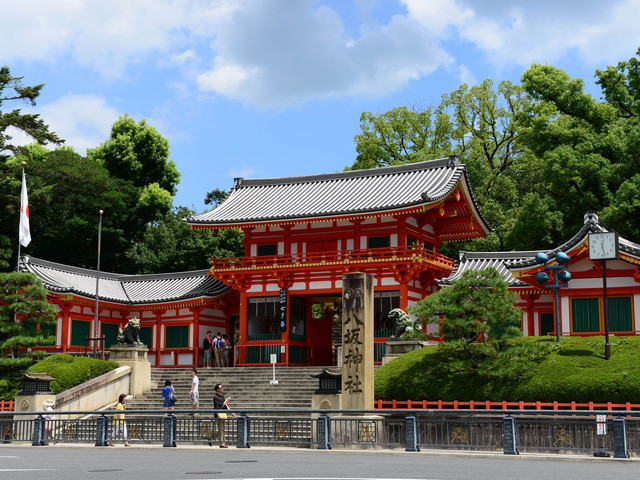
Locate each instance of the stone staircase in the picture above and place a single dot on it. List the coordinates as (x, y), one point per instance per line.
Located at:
(248, 387)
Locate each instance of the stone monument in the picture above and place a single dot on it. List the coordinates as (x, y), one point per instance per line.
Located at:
(357, 341)
(131, 352)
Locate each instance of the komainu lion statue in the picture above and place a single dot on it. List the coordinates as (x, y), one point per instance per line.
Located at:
(130, 334)
(401, 319)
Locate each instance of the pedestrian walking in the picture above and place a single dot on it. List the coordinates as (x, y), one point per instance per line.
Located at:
(222, 346)
(119, 421)
(220, 402)
(49, 418)
(206, 347)
(216, 349)
(194, 393)
(169, 395)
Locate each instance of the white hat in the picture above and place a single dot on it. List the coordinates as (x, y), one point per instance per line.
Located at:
(48, 403)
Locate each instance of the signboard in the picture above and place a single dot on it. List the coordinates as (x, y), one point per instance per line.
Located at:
(274, 358)
(283, 310)
(602, 424)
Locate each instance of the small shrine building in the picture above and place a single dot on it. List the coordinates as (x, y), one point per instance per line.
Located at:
(174, 309)
(581, 306)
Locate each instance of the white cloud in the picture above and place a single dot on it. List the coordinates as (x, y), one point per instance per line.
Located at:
(282, 53)
(295, 52)
(521, 32)
(105, 36)
(83, 121)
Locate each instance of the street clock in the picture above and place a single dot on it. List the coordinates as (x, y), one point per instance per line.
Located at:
(603, 246)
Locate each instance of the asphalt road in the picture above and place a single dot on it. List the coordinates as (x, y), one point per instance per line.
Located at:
(157, 463)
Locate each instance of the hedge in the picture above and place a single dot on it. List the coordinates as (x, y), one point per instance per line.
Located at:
(574, 370)
(71, 371)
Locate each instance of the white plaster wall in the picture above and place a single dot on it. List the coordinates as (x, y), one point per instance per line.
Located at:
(294, 248)
(564, 315)
(349, 244)
(96, 393)
(393, 241)
(255, 288)
(280, 248)
(363, 242)
(319, 285)
(389, 281)
(636, 312)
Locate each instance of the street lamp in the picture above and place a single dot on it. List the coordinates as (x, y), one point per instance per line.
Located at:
(560, 275)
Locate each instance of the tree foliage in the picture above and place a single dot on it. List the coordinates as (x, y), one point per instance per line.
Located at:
(475, 313)
(11, 88)
(590, 148)
(476, 123)
(23, 297)
(171, 246)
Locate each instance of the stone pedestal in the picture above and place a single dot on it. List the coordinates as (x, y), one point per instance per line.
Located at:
(32, 403)
(396, 348)
(136, 358)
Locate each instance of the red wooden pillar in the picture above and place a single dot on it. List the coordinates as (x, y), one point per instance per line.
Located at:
(196, 333)
(158, 343)
(65, 310)
(243, 326)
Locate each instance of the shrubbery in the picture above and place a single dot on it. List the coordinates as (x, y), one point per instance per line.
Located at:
(71, 371)
(531, 369)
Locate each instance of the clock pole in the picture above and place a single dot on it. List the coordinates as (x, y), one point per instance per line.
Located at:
(607, 346)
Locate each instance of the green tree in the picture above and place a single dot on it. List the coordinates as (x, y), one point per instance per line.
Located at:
(476, 123)
(476, 313)
(66, 193)
(11, 88)
(591, 148)
(137, 153)
(216, 197)
(30, 124)
(171, 246)
(22, 296)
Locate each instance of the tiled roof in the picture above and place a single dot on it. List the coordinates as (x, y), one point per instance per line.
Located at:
(592, 224)
(481, 260)
(126, 289)
(343, 193)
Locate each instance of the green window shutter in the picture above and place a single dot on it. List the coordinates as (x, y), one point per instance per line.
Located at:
(547, 323)
(620, 316)
(146, 336)
(378, 242)
(177, 336)
(268, 249)
(79, 330)
(585, 314)
(110, 332)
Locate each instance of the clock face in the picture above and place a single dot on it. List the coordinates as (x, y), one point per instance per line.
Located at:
(603, 246)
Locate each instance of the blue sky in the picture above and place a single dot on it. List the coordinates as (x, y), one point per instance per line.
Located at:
(271, 88)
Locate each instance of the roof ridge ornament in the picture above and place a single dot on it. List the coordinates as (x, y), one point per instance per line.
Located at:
(591, 217)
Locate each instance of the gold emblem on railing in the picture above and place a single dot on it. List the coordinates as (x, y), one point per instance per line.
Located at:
(563, 438)
(205, 432)
(366, 432)
(135, 431)
(460, 435)
(283, 431)
(7, 431)
(70, 430)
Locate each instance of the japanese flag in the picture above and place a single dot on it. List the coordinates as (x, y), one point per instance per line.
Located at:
(25, 233)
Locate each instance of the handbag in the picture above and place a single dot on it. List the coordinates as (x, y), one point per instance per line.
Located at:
(222, 414)
(172, 396)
